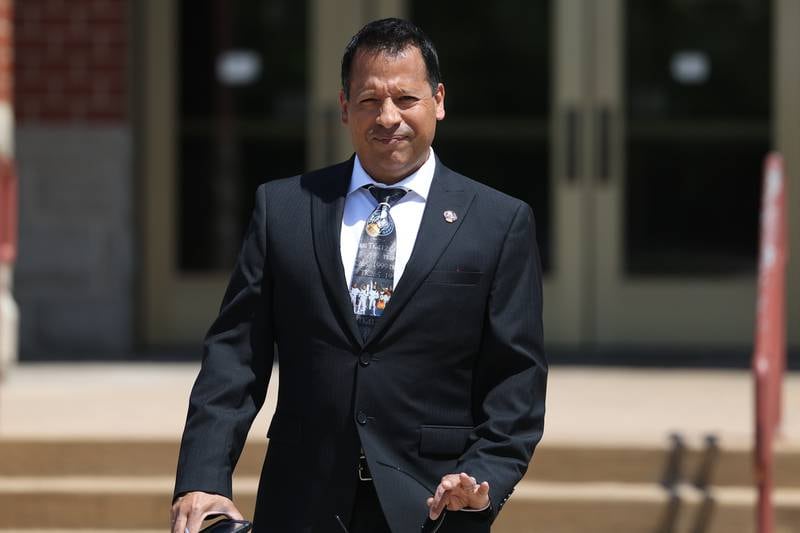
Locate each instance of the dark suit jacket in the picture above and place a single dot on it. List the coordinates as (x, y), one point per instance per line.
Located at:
(451, 379)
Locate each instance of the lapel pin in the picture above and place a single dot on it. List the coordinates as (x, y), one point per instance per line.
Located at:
(450, 216)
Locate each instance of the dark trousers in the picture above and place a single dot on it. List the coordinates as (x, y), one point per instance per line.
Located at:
(367, 515)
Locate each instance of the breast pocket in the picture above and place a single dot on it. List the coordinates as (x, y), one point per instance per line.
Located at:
(443, 441)
(454, 277)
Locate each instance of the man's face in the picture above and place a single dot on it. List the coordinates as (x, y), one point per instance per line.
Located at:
(391, 112)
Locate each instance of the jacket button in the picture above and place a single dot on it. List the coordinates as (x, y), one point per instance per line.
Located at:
(361, 417)
(364, 359)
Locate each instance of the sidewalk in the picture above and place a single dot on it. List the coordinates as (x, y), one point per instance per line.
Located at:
(585, 405)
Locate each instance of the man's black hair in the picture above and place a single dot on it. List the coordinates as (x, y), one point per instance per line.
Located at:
(391, 36)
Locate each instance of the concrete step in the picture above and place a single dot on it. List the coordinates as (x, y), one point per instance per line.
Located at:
(142, 503)
(99, 502)
(100, 457)
(569, 463)
(622, 508)
(717, 466)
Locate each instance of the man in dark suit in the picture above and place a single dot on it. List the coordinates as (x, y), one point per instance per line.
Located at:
(405, 303)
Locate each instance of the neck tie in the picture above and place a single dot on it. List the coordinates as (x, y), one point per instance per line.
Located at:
(373, 273)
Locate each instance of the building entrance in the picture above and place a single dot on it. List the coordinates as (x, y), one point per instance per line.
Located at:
(636, 131)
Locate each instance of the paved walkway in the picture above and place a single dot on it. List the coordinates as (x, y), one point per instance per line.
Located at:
(599, 406)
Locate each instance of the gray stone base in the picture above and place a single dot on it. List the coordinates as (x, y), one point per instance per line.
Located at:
(9, 322)
(74, 276)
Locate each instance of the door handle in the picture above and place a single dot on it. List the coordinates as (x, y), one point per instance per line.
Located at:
(603, 156)
(572, 148)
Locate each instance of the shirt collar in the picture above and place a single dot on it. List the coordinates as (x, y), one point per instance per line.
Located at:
(419, 181)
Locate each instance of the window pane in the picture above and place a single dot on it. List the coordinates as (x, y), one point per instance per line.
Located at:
(496, 69)
(242, 115)
(698, 105)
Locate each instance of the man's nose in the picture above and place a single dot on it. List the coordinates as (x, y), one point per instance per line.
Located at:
(388, 114)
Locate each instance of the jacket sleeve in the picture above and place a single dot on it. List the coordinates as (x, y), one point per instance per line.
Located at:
(237, 362)
(510, 377)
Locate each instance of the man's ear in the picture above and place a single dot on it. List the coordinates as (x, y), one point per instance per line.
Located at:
(438, 96)
(343, 105)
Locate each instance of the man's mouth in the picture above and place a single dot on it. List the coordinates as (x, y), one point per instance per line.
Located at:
(394, 139)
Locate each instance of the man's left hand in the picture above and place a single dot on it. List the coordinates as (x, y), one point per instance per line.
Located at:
(457, 492)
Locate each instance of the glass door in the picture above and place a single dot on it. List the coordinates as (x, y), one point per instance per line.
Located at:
(510, 73)
(235, 93)
(682, 108)
(636, 130)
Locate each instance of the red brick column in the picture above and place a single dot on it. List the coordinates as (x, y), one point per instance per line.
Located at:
(9, 314)
(8, 204)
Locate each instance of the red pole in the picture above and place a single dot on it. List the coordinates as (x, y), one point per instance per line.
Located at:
(769, 356)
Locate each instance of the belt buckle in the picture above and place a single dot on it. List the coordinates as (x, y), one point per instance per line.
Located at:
(363, 469)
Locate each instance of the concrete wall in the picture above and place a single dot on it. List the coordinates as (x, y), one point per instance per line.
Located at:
(74, 276)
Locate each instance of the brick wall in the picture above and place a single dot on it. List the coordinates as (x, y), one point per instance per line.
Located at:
(71, 60)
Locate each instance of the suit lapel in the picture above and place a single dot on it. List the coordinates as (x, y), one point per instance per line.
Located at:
(328, 192)
(447, 193)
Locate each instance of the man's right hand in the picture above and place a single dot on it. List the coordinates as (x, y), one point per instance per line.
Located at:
(190, 509)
